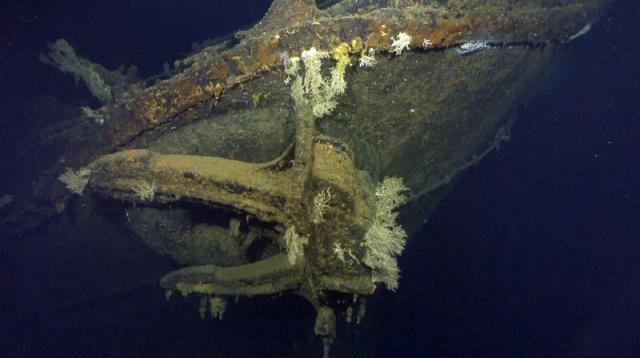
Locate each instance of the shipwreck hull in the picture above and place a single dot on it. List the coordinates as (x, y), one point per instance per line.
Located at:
(227, 131)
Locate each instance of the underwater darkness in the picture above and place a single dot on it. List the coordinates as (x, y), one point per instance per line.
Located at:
(535, 252)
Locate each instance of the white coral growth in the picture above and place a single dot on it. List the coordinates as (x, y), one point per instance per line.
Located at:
(76, 180)
(368, 59)
(340, 252)
(294, 244)
(217, 307)
(63, 56)
(401, 43)
(311, 88)
(385, 239)
(469, 47)
(321, 205)
(145, 191)
(92, 114)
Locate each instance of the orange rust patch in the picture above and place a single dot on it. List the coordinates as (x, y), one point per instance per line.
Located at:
(149, 110)
(184, 92)
(419, 32)
(380, 28)
(377, 41)
(190, 114)
(448, 32)
(166, 100)
(240, 66)
(265, 57)
(219, 70)
(197, 93)
(379, 36)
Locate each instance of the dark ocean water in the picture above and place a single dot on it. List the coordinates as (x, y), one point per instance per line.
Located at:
(536, 251)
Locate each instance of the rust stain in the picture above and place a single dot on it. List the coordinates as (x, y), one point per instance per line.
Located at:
(379, 36)
(419, 33)
(448, 32)
(197, 93)
(265, 56)
(150, 110)
(219, 71)
(204, 81)
(240, 66)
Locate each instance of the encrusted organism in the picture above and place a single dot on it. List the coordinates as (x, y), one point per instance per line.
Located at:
(473, 46)
(368, 58)
(340, 253)
(63, 56)
(385, 239)
(105, 85)
(400, 43)
(321, 205)
(217, 306)
(583, 31)
(294, 244)
(301, 203)
(94, 115)
(311, 88)
(76, 180)
(145, 191)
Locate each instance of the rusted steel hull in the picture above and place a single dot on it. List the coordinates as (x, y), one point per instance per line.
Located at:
(424, 112)
(215, 71)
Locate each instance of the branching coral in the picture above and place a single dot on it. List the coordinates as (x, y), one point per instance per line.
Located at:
(401, 43)
(321, 205)
(311, 88)
(368, 58)
(385, 239)
(294, 244)
(63, 56)
(145, 191)
(75, 180)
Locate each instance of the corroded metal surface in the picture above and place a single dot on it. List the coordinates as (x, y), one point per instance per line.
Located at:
(267, 193)
(425, 115)
(291, 26)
